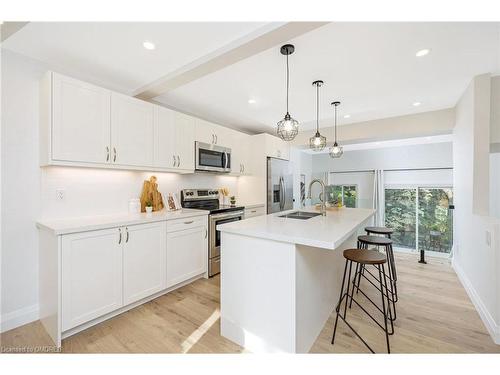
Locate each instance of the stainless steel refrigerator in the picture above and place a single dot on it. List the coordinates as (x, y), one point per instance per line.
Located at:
(279, 185)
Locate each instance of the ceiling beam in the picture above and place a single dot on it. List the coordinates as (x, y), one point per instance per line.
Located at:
(10, 28)
(251, 44)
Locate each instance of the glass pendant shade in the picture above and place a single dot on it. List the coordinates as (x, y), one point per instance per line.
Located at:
(317, 142)
(288, 128)
(336, 151)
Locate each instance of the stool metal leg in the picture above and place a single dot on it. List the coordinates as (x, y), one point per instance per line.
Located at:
(337, 309)
(381, 273)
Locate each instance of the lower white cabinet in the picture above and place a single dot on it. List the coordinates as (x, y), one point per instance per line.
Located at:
(91, 276)
(187, 250)
(255, 211)
(85, 276)
(144, 260)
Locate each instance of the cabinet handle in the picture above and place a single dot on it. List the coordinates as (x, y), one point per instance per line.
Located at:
(213, 138)
(189, 222)
(114, 154)
(253, 211)
(216, 139)
(206, 232)
(173, 163)
(243, 168)
(120, 239)
(107, 153)
(126, 229)
(178, 161)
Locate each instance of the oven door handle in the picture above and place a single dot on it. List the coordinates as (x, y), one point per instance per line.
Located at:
(226, 216)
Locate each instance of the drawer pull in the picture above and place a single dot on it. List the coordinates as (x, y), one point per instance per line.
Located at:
(189, 222)
(120, 239)
(253, 211)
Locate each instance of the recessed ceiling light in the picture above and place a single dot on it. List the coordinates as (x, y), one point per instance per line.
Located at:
(347, 116)
(252, 101)
(148, 45)
(416, 104)
(423, 52)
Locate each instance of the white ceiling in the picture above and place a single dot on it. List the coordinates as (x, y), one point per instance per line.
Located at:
(112, 54)
(370, 67)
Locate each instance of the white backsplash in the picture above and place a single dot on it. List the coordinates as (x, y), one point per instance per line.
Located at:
(100, 191)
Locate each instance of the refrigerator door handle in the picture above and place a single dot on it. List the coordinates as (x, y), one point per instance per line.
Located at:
(282, 193)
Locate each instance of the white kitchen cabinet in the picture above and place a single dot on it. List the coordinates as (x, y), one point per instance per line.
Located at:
(240, 154)
(76, 120)
(187, 250)
(144, 260)
(208, 132)
(173, 140)
(91, 276)
(254, 211)
(278, 148)
(131, 131)
(184, 141)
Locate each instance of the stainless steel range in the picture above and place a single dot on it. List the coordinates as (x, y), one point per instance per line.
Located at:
(208, 199)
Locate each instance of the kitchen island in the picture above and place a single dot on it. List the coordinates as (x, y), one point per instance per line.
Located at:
(281, 277)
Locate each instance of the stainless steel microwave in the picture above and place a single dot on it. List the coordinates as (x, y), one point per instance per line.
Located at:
(212, 158)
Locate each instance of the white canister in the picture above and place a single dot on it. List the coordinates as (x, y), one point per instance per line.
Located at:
(134, 206)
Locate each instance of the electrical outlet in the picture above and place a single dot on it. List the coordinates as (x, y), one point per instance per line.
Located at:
(60, 193)
(488, 238)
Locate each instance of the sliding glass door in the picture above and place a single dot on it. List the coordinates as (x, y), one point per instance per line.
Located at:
(420, 213)
(435, 225)
(400, 215)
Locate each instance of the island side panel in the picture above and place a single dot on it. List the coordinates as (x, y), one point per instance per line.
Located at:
(319, 279)
(49, 284)
(258, 293)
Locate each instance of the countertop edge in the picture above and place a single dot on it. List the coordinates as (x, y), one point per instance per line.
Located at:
(47, 225)
(299, 241)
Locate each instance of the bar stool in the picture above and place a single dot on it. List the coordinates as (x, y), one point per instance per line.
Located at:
(384, 231)
(386, 243)
(363, 257)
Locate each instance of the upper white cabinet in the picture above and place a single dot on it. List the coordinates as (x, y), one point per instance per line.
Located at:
(144, 260)
(131, 131)
(80, 115)
(211, 133)
(277, 148)
(173, 140)
(91, 275)
(87, 126)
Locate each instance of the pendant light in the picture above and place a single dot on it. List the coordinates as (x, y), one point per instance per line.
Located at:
(336, 151)
(317, 142)
(288, 128)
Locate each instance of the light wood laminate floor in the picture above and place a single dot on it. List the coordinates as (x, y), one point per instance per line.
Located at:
(435, 315)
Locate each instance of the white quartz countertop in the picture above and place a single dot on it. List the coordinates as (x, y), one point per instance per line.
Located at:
(82, 224)
(327, 232)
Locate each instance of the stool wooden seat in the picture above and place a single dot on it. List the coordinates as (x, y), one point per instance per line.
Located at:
(365, 258)
(379, 230)
(375, 240)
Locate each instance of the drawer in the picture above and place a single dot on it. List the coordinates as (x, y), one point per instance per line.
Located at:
(256, 211)
(186, 223)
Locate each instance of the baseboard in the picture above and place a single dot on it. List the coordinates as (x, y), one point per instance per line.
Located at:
(488, 320)
(18, 318)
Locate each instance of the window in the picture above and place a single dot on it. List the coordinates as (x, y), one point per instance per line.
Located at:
(423, 213)
(346, 194)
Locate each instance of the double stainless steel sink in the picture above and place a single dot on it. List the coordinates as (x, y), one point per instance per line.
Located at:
(301, 215)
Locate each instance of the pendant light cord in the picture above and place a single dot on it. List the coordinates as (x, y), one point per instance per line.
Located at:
(335, 128)
(317, 108)
(287, 82)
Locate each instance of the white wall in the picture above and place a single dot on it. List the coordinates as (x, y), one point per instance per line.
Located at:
(438, 155)
(477, 263)
(28, 192)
